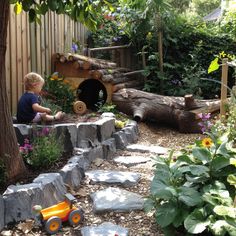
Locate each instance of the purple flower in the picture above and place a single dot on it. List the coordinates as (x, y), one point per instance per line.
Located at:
(205, 124)
(74, 47)
(45, 131)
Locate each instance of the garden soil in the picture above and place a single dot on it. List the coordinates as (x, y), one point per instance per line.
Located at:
(139, 223)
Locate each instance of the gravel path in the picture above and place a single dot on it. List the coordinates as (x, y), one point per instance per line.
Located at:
(138, 223)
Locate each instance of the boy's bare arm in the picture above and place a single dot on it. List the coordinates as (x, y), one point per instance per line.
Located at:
(36, 107)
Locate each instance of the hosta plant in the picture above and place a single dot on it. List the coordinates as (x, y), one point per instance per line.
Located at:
(190, 193)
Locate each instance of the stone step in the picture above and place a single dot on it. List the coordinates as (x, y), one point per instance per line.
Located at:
(105, 229)
(146, 149)
(113, 177)
(116, 199)
(129, 161)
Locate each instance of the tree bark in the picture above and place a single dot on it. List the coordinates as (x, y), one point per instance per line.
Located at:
(163, 109)
(9, 151)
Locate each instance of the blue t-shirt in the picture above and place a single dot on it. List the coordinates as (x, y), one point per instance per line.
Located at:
(25, 112)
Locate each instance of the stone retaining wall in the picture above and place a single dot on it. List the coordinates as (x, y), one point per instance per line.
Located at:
(88, 141)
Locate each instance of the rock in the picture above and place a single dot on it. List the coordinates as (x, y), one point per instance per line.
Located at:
(121, 139)
(108, 114)
(72, 175)
(87, 135)
(105, 229)
(113, 177)
(105, 128)
(115, 199)
(131, 134)
(96, 152)
(146, 149)
(80, 160)
(2, 210)
(22, 131)
(19, 200)
(109, 148)
(53, 188)
(131, 160)
(68, 132)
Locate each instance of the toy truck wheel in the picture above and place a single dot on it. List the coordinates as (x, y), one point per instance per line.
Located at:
(79, 107)
(75, 217)
(53, 224)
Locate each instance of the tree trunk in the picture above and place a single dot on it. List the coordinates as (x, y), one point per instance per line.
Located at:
(9, 151)
(180, 112)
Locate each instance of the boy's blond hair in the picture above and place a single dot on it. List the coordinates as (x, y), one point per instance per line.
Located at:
(32, 80)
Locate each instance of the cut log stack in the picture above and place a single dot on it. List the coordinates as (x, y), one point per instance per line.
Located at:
(75, 65)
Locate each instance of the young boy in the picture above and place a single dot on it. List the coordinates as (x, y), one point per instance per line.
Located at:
(29, 109)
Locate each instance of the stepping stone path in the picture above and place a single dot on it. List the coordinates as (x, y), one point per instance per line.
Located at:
(116, 199)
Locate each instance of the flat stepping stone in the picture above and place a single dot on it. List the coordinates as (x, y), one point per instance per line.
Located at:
(105, 229)
(113, 177)
(146, 149)
(131, 160)
(116, 199)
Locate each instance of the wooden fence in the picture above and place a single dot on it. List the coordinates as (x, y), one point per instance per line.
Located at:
(30, 46)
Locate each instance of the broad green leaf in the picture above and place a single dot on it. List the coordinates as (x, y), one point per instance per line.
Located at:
(199, 170)
(180, 217)
(202, 154)
(189, 196)
(148, 205)
(225, 211)
(43, 8)
(53, 5)
(32, 15)
(196, 222)
(196, 179)
(214, 65)
(161, 190)
(18, 8)
(219, 162)
(232, 161)
(13, 1)
(232, 180)
(166, 214)
(218, 227)
(223, 150)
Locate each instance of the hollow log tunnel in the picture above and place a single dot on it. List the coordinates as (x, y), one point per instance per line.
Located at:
(93, 93)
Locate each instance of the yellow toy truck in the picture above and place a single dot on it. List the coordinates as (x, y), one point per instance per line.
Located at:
(53, 216)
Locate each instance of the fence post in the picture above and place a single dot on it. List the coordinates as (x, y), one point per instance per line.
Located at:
(224, 82)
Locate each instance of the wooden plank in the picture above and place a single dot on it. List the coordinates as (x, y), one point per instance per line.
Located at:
(29, 49)
(38, 68)
(8, 68)
(19, 57)
(33, 46)
(224, 82)
(47, 44)
(50, 42)
(43, 45)
(13, 49)
(24, 48)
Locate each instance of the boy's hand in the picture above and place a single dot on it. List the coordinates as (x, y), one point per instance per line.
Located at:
(48, 111)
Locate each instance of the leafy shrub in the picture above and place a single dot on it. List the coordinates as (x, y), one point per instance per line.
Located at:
(44, 150)
(191, 193)
(107, 107)
(49, 103)
(58, 91)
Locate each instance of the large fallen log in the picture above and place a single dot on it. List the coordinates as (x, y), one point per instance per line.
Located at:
(179, 112)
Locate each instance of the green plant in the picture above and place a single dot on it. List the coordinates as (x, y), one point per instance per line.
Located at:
(58, 91)
(107, 107)
(44, 150)
(49, 103)
(190, 192)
